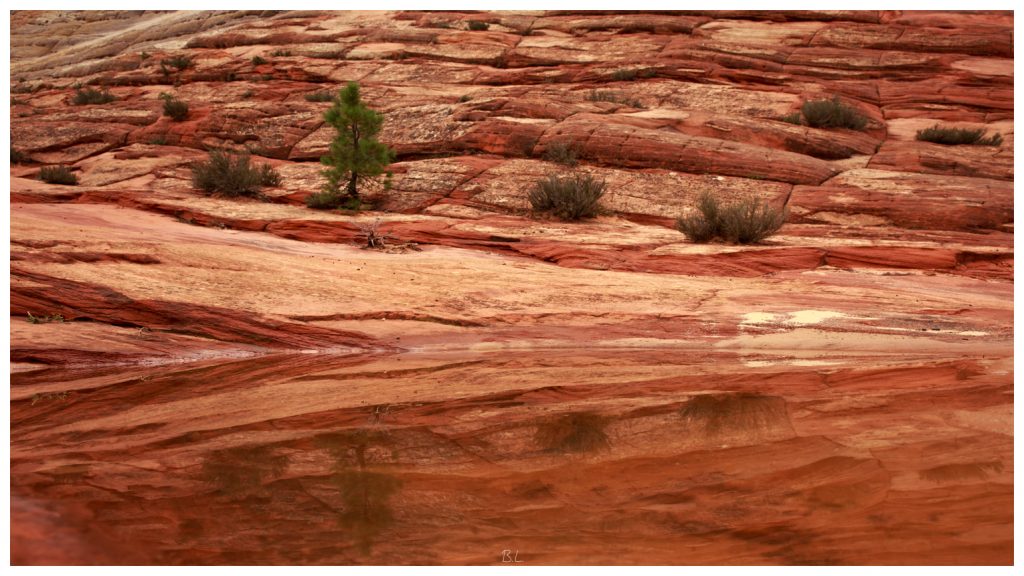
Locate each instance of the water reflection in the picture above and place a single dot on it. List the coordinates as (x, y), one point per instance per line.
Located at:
(364, 494)
(574, 432)
(621, 457)
(737, 416)
(239, 471)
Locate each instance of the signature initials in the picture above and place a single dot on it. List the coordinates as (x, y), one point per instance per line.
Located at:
(510, 556)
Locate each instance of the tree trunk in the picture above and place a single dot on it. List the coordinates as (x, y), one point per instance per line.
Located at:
(351, 191)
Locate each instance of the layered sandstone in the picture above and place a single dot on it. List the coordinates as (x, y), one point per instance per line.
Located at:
(230, 375)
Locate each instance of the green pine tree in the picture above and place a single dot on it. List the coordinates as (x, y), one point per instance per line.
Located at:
(355, 154)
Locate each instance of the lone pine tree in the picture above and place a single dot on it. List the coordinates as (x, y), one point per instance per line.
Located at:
(355, 153)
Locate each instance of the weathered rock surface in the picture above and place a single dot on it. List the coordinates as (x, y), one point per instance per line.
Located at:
(203, 380)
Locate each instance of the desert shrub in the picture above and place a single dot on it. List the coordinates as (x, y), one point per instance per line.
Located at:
(603, 96)
(143, 55)
(269, 176)
(160, 140)
(624, 75)
(232, 175)
(247, 94)
(321, 96)
(611, 96)
(45, 319)
(176, 109)
(328, 200)
(568, 197)
(574, 432)
(323, 200)
(90, 96)
(832, 114)
(329, 54)
(703, 225)
(179, 62)
(258, 60)
(477, 25)
(58, 175)
(17, 156)
(565, 153)
(954, 136)
(281, 52)
(793, 118)
(750, 221)
(745, 221)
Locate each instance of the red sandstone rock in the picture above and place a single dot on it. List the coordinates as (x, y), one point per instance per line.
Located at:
(977, 161)
(912, 200)
(220, 360)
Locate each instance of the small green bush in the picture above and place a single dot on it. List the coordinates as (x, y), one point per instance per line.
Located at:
(232, 175)
(17, 156)
(176, 109)
(832, 114)
(281, 52)
(477, 25)
(746, 221)
(90, 96)
(565, 153)
(323, 200)
(624, 75)
(570, 197)
(611, 96)
(321, 96)
(258, 60)
(58, 175)
(793, 118)
(269, 176)
(179, 62)
(955, 136)
(328, 200)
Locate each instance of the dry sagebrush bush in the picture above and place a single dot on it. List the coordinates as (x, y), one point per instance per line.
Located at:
(745, 221)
